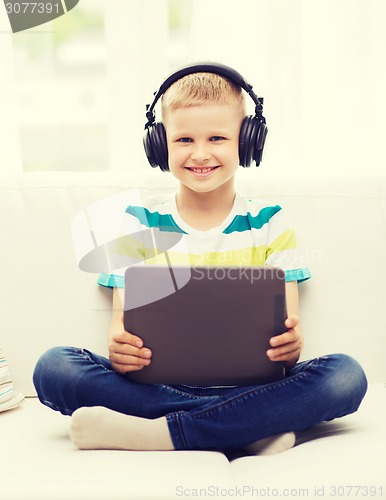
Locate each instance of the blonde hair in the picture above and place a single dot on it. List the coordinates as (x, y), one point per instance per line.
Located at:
(202, 88)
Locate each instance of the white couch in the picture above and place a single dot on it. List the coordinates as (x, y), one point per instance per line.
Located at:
(46, 300)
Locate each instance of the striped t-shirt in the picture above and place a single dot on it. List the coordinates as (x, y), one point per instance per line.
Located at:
(255, 233)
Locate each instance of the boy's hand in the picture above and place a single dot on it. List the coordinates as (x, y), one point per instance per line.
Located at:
(287, 346)
(126, 352)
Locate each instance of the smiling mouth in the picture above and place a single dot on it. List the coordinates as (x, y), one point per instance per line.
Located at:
(201, 170)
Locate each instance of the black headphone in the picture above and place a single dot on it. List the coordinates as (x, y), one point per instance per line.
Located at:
(253, 129)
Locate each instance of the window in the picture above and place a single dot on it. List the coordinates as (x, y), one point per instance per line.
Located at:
(79, 81)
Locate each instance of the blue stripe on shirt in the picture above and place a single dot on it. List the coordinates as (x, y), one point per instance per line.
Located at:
(164, 222)
(247, 222)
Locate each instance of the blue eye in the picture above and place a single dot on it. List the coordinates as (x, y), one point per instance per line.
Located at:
(184, 139)
(217, 138)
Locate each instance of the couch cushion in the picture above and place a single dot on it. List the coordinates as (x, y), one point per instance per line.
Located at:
(40, 462)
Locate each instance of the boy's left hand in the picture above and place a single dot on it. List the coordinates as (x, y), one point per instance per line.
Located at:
(287, 346)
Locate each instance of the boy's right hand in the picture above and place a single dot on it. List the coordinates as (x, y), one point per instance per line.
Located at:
(126, 352)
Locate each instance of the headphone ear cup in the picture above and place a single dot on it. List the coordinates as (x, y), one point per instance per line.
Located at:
(246, 141)
(260, 141)
(155, 145)
(148, 145)
(251, 140)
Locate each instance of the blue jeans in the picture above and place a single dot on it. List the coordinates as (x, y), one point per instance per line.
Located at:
(206, 418)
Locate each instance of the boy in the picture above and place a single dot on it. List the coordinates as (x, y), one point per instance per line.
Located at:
(203, 115)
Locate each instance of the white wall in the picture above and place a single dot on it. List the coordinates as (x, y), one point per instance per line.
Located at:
(320, 66)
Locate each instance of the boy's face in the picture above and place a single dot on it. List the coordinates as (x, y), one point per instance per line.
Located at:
(203, 144)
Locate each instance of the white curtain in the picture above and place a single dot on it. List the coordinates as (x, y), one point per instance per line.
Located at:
(10, 154)
(320, 65)
(136, 38)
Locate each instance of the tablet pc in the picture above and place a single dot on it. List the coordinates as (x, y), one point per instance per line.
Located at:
(206, 325)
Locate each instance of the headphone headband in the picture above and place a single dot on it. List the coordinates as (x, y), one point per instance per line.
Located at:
(218, 69)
